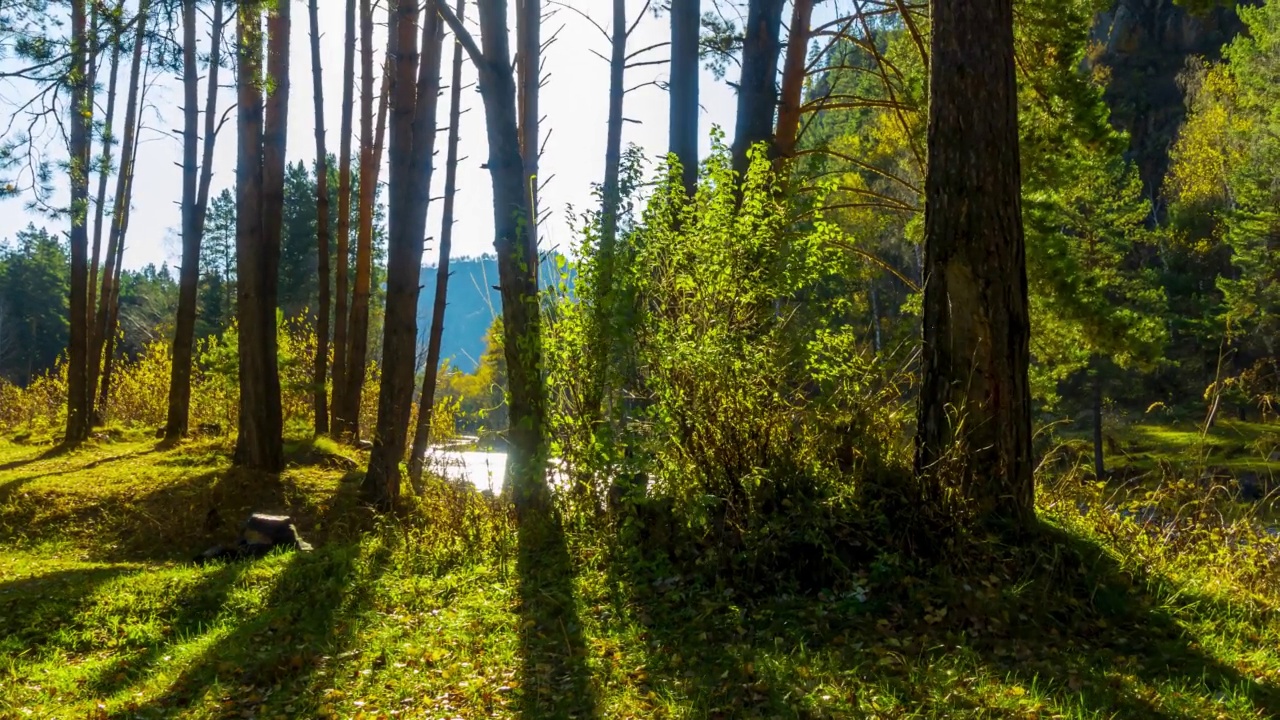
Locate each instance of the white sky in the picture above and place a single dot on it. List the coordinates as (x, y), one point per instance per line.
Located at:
(574, 102)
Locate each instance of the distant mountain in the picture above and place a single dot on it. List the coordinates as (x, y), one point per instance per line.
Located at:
(474, 301)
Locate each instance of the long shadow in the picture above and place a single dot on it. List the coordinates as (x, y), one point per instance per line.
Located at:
(34, 608)
(53, 452)
(1070, 622)
(556, 681)
(309, 615)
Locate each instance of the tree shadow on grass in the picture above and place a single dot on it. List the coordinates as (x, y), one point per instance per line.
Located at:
(309, 614)
(556, 681)
(1065, 620)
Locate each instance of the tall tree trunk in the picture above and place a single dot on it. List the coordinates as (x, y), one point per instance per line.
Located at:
(529, 63)
(211, 126)
(260, 199)
(793, 74)
(758, 88)
(415, 123)
(686, 16)
(195, 204)
(516, 247)
(1099, 460)
(102, 329)
(426, 400)
(79, 397)
(113, 319)
(344, 218)
(104, 166)
(358, 329)
(975, 396)
(610, 200)
(320, 369)
(189, 274)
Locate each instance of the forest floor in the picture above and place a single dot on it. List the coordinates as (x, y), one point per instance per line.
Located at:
(439, 615)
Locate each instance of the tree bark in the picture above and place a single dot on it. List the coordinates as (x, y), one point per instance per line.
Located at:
(104, 167)
(320, 370)
(686, 15)
(975, 406)
(426, 400)
(358, 330)
(516, 247)
(529, 64)
(793, 74)
(79, 396)
(414, 114)
(344, 218)
(1099, 460)
(758, 88)
(105, 321)
(260, 198)
(189, 274)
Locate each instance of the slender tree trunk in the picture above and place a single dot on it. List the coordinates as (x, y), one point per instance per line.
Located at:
(344, 219)
(613, 139)
(529, 63)
(793, 79)
(515, 243)
(758, 89)
(189, 274)
(260, 199)
(412, 156)
(358, 337)
(686, 16)
(104, 167)
(610, 201)
(975, 398)
(320, 370)
(79, 396)
(426, 400)
(195, 204)
(104, 323)
(1099, 462)
(113, 321)
(875, 318)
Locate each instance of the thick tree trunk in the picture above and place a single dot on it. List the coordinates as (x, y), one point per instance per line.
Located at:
(793, 79)
(975, 407)
(686, 16)
(320, 369)
(104, 168)
(758, 88)
(344, 219)
(259, 188)
(79, 396)
(105, 321)
(426, 400)
(189, 274)
(411, 158)
(358, 329)
(516, 247)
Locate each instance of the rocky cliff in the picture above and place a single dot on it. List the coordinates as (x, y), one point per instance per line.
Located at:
(1146, 44)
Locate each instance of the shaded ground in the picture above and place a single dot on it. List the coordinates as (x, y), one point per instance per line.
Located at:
(439, 615)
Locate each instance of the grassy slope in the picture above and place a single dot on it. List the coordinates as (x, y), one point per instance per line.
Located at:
(100, 615)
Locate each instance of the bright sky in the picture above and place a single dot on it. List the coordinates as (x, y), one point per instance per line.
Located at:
(574, 102)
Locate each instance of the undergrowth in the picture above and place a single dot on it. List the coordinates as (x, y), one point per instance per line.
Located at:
(441, 612)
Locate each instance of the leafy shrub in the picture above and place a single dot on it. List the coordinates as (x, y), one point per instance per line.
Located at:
(731, 373)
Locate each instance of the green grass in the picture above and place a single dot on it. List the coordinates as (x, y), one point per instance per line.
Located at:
(1232, 445)
(448, 612)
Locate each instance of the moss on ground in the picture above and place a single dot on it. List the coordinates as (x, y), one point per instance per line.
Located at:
(441, 612)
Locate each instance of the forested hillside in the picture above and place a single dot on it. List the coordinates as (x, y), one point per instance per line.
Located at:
(889, 359)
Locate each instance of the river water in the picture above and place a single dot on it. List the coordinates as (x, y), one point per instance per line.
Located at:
(483, 469)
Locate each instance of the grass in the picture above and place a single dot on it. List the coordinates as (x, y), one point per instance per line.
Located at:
(451, 611)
